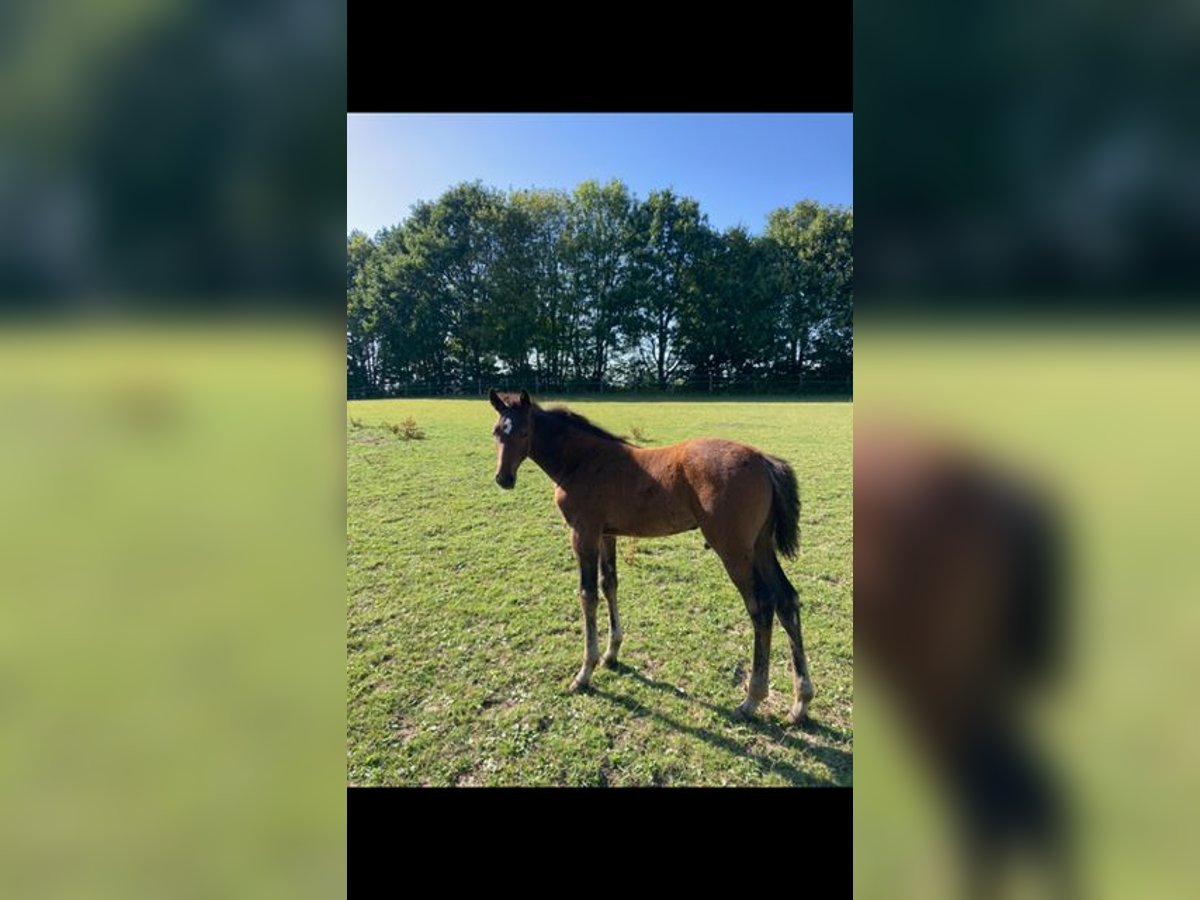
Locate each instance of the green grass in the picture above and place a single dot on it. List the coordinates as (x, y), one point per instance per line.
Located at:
(464, 626)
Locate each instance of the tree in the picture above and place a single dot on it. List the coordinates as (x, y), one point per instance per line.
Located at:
(597, 253)
(361, 349)
(670, 235)
(816, 270)
(727, 327)
(511, 317)
(454, 243)
(544, 214)
(597, 288)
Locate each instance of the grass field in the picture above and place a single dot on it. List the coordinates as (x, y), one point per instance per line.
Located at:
(464, 626)
(1096, 412)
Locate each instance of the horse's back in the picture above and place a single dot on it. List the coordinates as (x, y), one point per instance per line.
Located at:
(719, 477)
(719, 462)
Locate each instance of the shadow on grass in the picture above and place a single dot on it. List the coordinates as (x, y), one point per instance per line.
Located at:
(838, 761)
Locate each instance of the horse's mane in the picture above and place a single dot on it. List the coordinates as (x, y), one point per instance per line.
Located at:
(562, 416)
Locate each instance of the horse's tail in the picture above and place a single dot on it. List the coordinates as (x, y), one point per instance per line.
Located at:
(785, 506)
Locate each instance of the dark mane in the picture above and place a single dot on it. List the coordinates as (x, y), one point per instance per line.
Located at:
(563, 417)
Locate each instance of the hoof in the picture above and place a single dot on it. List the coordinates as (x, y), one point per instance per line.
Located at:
(609, 661)
(579, 684)
(799, 711)
(744, 712)
(798, 714)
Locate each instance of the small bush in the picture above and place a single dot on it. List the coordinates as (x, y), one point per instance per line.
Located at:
(640, 436)
(407, 430)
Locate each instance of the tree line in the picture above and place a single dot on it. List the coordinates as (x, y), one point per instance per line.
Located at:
(596, 290)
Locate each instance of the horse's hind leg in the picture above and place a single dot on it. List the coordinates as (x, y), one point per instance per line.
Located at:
(787, 607)
(587, 549)
(608, 584)
(761, 607)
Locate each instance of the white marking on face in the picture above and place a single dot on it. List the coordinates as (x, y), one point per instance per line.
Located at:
(507, 425)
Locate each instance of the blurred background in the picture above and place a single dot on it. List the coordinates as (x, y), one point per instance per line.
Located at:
(161, 154)
(1027, 182)
(172, 180)
(1026, 153)
(172, 177)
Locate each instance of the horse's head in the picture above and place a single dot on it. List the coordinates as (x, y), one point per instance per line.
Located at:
(513, 433)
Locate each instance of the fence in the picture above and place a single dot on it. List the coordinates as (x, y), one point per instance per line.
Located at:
(803, 386)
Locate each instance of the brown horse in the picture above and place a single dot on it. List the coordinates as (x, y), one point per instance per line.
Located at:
(958, 573)
(744, 502)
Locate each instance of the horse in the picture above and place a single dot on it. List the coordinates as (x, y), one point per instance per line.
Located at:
(745, 503)
(958, 606)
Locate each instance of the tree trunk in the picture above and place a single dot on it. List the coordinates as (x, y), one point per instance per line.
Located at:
(800, 361)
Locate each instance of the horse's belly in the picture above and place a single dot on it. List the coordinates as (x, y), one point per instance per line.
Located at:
(654, 521)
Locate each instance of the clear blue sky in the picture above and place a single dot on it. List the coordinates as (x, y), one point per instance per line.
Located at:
(738, 166)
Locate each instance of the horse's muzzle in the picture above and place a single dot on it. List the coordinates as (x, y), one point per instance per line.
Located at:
(506, 481)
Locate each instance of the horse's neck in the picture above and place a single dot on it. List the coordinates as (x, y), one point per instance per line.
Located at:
(559, 449)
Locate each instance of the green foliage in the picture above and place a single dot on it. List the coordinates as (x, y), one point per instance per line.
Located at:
(672, 237)
(598, 256)
(594, 289)
(464, 629)
(640, 436)
(408, 430)
(817, 269)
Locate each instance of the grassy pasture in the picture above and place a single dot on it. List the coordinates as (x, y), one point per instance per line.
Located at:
(464, 628)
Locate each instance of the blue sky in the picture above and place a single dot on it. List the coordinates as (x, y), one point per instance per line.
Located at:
(738, 166)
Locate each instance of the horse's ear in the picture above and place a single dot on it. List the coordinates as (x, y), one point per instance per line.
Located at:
(496, 401)
(525, 399)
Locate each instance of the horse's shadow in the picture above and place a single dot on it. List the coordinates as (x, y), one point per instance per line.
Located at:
(836, 760)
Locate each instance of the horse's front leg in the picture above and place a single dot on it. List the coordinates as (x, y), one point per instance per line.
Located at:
(608, 585)
(587, 551)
